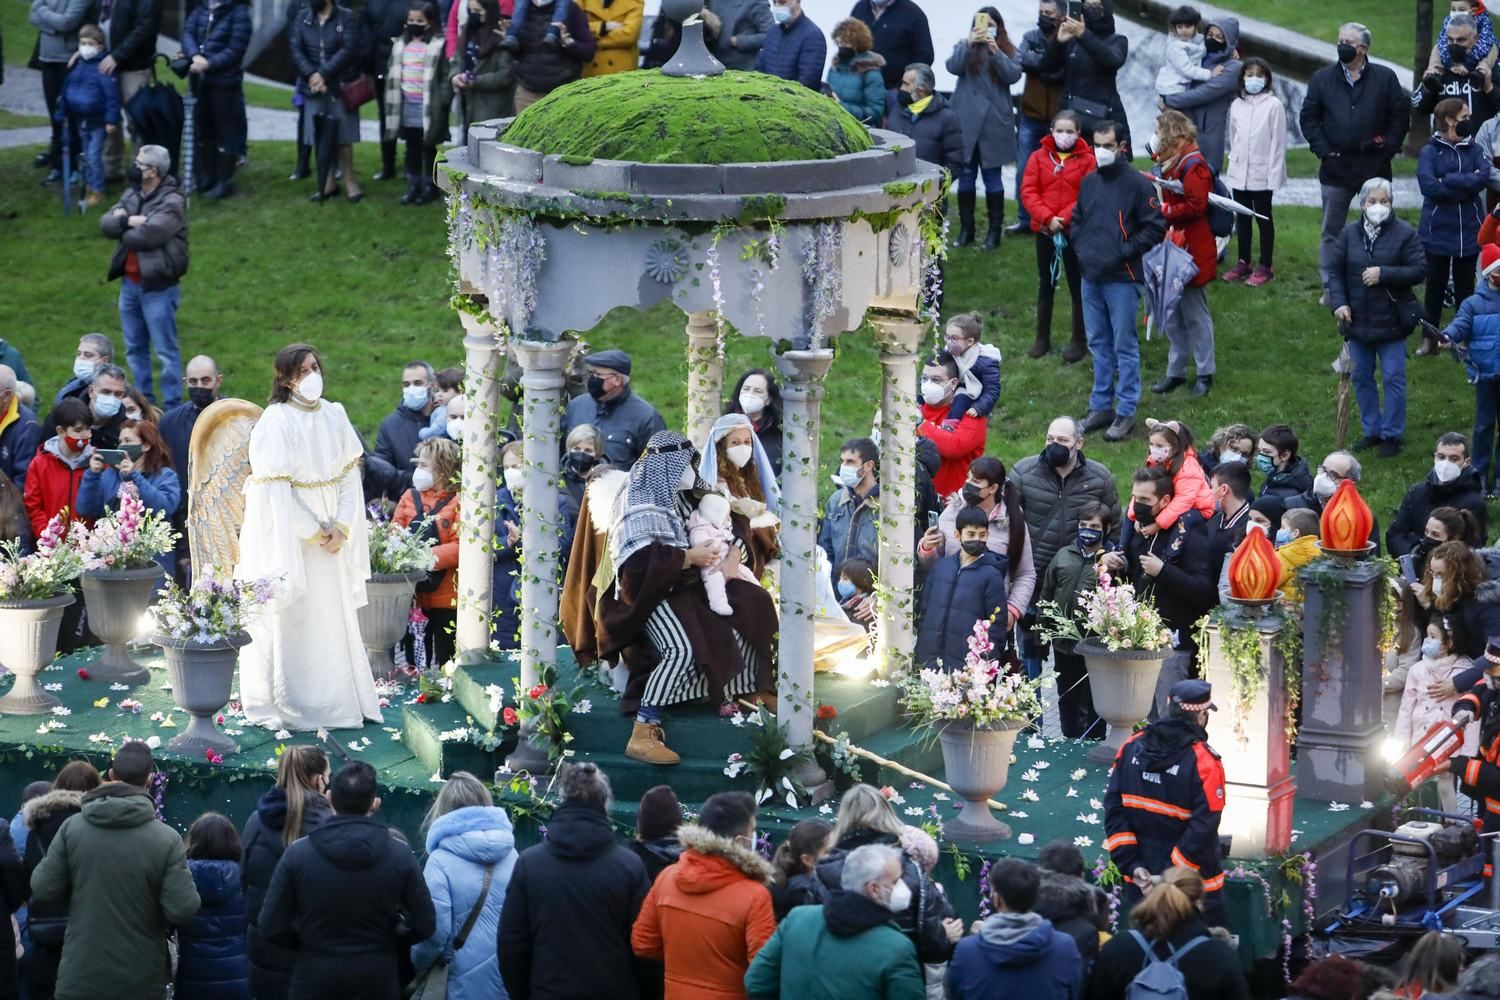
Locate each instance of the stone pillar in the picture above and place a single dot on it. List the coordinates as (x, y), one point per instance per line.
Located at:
(705, 388)
(1253, 741)
(542, 382)
(899, 335)
(1338, 749)
(801, 394)
(484, 349)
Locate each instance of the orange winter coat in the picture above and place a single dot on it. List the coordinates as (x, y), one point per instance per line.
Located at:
(446, 549)
(706, 917)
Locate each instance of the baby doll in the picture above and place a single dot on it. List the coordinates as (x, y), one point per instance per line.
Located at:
(709, 525)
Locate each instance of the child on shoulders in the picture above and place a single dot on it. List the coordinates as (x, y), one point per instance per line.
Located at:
(978, 369)
(1171, 448)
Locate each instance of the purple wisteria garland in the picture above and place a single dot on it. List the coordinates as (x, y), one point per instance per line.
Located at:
(822, 272)
(512, 263)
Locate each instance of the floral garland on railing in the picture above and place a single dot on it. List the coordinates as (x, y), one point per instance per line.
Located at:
(823, 273)
(512, 263)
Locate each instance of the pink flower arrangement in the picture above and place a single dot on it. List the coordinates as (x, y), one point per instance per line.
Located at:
(47, 572)
(978, 691)
(129, 537)
(1110, 613)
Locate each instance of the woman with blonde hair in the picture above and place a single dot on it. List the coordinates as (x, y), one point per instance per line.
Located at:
(297, 806)
(582, 452)
(430, 509)
(471, 851)
(1168, 923)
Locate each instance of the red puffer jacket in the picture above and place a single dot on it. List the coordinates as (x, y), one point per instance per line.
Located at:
(52, 485)
(1187, 213)
(1049, 186)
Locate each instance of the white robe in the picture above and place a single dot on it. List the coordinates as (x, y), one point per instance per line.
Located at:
(306, 668)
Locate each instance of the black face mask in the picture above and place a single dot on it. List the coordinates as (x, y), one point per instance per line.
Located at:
(905, 98)
(1347, 53)
(1457, 53)
(1098, 20)
(581, 462)
(415, 30)
(975, 546)
(1213, 45)
(596, 386)
(972, 495)
(1046, 25)
(845, 53)
(1056, 455)
(134, 176)
(1144, 513)
(1089, 537)
(476, 21)
(1466, 128)
(201, 396)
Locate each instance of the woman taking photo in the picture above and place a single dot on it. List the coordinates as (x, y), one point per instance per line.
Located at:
(326, 51)
(854, 79)
(486, 77)
(986, 66)
(1373, 266)
(1049, 190)
(150, 474)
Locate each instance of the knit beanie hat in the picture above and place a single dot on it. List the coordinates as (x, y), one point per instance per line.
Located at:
(659, 814)
(1489, 258)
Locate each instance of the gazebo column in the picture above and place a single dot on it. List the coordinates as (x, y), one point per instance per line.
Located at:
(705, 376)
(801, 393)
(484, 356)
(542, 382)
(898, 334)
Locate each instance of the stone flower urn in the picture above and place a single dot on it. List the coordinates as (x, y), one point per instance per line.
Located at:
(202, 678)
(117, 600)
(28, 641)
(383, 619)
(1124, 685)
(976, 762)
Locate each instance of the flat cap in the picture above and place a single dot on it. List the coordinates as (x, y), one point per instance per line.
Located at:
(615, 361)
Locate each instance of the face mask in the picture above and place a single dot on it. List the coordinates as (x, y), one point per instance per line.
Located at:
(134, 176)
(972, 495)
(751, 405)
(688, 480)
(515, 480)
(1213, 45)
(740, 454)
(1456, 53)
(1145, 513)
(107, 406)
(201, 396)
(75, 444)
(414, 30)
(1159, 454)
(1097, 20)
(974, 546)
(1064, 141)
(1265, 464)
(956, 346)
(414, 397)
(1256, 526)
(422, 480)
(1283, 537)
(1377, 213)
(596, 386)
(992, 34)
(781, 15)
(476, 21)
(1466, 128)
(1231, 456)
(87, 52)
(455, 430)
(581, 462)
(1254, 84)
(1323, 486)
(905, 98)
(1431, 648)
(1445, 471)
(1089, 537)
(1347, 53)
(132, 412)
(846, 590)
(849, 475)
(1056, 455)
(83, 369)
(311, 386)
(934, 393)
(845, 53)
(1046, 25)
(900, 898)
(1437, 586)
(1104, 157)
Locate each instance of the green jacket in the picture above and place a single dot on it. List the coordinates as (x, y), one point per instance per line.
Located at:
(806, 961)
(124, 877)
(1069, 575)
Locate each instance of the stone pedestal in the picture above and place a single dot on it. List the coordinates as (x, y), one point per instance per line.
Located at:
(1252, 740)
(705, 388)
(1338, 748)
(542, 382)
(484, 351)
(899, 335)
(801, 393)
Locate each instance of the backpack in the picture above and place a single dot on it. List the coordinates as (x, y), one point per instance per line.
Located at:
(1220, 219)
(429, 531)
(1159, 978)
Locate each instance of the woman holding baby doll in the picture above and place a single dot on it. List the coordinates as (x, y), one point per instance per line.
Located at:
(735, 464)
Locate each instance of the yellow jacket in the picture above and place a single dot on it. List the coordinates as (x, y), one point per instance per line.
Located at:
(618, 49)
(1294, 555)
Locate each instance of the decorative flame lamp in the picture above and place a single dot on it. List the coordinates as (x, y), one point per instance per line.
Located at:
(1254, 568)
(1344, 530)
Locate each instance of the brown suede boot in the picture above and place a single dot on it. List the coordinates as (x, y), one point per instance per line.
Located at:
(649, 744)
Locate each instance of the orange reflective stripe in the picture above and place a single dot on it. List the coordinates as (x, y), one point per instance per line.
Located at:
(1492, 805)
(1214, 884)
(1471, 773)
(1489, 870)
(1178, 858)
(1119, 840)
(1154, 805)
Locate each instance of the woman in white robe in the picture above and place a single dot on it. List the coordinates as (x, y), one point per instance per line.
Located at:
(306, 668)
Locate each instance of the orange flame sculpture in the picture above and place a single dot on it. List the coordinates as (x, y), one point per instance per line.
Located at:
(1347, 522)
(1254, 569)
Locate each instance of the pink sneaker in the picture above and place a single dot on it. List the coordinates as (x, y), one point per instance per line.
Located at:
(1239, 272)
(1261, 275)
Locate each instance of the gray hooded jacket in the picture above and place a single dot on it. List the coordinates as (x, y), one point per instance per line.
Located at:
(1207, 104)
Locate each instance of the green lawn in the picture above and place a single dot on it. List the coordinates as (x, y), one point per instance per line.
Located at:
(1392, 25)
(368, 284)
(9, 119)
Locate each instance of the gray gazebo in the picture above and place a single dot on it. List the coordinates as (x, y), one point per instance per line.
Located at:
(746, 201)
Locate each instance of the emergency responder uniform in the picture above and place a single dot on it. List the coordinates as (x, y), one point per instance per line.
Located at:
(1479, 776)
(1165, 799)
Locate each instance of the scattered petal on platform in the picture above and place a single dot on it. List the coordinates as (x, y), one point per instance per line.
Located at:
(1083, 842)
(1031, 774)
(154, 742)
(1042, 765)
(1072, 792)
(119, 687)
(1090, 818)
(1079, 774)
(1025, 838)
(1030, 795)
(1338, 807)
(1095, 804)
(1017, 814)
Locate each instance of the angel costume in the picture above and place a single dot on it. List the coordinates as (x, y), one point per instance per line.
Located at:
(306, 668)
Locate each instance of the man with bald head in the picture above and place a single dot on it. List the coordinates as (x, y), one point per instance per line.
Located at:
(1337, 467)
(20, 433)
(203, 382)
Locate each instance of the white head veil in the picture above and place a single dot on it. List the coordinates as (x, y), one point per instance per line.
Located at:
(708, 467)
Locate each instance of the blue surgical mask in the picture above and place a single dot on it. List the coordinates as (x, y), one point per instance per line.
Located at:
(414, 397)
(846, 590)
(781, 14)
(849, 475)
(1265, 463)
(1283, 537)
(83, 369)
(1432, 648)
(107, 406)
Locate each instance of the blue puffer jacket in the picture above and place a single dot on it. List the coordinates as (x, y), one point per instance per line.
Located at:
(460, 846)
(1477, 327)
(794, 51)
(953, 599)
(88, 93)
(858, 84)
(219, 32)
(1452, 177)
(212, 963)
(100, 491)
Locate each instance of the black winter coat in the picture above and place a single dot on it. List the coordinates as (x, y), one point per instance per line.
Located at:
(380, 22)
(15, 887)
(333, 48)
(901, 34)
(395, 441)
(1116, 219)
(953, 599)
(922, 921)
(212, 963)
(1288, 482)
(271, 963)
(1211, 969)
(1342, 123)
(657, 855)
(1092, 61)
(219, 33)
(542, 68)
(1397, 251)
(1410, 526)
(1051, 504)
(44, 816)
(803, 889)
(572, 900)
(133, 27)
(1186, 588)
(351, 899)
(937, 131)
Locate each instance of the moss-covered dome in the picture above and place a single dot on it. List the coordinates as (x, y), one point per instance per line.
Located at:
(647, 117)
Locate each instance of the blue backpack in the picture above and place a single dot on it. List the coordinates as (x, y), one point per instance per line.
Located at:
(1220, 219)
(1159, 978)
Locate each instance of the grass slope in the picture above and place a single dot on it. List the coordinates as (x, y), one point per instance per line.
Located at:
(1392, 25)
(368, 284)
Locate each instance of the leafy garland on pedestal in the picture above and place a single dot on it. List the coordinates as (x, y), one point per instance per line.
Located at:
(1240, 643)
(1327, 575)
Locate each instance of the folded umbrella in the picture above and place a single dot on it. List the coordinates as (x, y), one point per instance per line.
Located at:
(157, 115)
(1169, 269)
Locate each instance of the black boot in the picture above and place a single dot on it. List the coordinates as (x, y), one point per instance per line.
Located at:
(304, 156)
(426, 192)
(995, 205)
(1201, 387)
(966, 202)
(413, 188)
(1078, 347)
(387, 161)
(1168, 384)
(1043, 328)
(224, 186)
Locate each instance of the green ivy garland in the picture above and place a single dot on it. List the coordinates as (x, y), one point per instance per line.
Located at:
(1240, 644)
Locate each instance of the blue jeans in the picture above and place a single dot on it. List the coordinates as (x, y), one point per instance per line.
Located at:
(1486, 410)
(994, 180)
(92, 135)
(1109, 309)
(1388, 422)
(1029, 132)
(149, 322)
